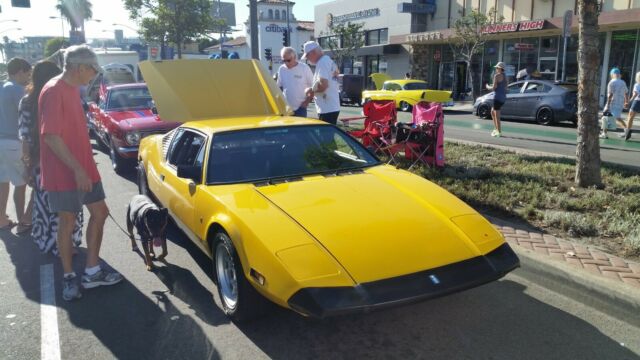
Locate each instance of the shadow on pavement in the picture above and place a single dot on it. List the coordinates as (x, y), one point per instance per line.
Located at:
(496, 321)
(126, 321)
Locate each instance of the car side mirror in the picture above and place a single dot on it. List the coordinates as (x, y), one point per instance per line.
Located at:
(190, 172)
(154, 110)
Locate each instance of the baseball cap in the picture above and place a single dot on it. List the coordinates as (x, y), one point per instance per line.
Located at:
(500, 65)
(614, 71)
(82, 55)
(308, 47)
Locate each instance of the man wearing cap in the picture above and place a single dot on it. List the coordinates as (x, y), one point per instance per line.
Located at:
(68, 171)
(325, 83)
(11, 166)
(617, 100)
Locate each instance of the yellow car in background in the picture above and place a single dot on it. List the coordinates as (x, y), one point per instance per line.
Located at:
(405, 93)
(295, 210)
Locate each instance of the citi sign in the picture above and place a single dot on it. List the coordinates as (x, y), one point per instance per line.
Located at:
(276, 28)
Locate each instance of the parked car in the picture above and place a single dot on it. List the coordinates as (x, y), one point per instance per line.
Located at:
(543, 101)
(121, 118)
(112, 74)
(405, 93)
(253, 189)
(351, 87)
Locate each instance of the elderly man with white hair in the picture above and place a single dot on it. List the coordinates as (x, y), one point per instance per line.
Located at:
(68, 170)
(325, 83)
(294, 78)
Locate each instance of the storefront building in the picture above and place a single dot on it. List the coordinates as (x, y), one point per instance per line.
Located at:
(381, 20)
(528, 38)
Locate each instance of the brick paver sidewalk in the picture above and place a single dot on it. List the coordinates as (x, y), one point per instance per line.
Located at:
(581, 256)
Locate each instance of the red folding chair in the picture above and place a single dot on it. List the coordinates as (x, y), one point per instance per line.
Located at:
(379, 117)
(424, 142)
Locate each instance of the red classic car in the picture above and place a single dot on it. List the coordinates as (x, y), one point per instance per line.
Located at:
(122, 116)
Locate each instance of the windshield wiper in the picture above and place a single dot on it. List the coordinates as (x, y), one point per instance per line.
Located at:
(348, 171)
(277, 180)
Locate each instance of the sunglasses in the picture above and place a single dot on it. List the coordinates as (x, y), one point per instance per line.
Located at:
(287, 60)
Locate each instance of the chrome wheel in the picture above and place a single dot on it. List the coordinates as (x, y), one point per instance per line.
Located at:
(404, 106)
(545, 116)
(227, 278)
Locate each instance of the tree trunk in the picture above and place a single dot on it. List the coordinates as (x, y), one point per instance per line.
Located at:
(588, 147)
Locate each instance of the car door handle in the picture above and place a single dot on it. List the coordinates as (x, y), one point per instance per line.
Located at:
(161, 177)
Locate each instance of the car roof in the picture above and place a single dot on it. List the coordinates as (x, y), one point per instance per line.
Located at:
(127, 86)
(243, 123)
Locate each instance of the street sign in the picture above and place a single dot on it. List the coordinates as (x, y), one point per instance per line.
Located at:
(566, 24)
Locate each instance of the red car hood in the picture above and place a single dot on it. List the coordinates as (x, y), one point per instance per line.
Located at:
(143, 120)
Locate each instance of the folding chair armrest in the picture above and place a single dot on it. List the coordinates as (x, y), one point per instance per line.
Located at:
(353, 118)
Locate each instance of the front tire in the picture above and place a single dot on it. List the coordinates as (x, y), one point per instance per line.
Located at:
(544, 116)
(119, 164)
(484, 111)
(240, 301)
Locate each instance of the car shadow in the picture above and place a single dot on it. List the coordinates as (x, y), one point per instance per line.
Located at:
(123, 319)
(495, 321)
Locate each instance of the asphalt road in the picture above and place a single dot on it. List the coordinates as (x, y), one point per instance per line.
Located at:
(172, 314)
(559, 139)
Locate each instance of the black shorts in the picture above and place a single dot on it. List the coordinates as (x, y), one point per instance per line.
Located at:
(331, 118)
(497, 105)
(635, 106)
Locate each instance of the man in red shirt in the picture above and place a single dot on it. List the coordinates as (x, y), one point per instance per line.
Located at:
(68, 170)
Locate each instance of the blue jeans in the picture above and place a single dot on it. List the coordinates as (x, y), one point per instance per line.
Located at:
(300, 112)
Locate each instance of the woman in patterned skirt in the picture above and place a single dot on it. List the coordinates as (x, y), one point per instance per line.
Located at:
(45, 223)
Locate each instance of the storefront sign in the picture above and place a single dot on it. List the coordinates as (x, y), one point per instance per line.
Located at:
(428, 8)
(276, 28)
(523, 47)
(513, 27)
(357, 15)
(426, 36)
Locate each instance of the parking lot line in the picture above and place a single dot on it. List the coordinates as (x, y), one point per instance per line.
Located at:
(49, 336)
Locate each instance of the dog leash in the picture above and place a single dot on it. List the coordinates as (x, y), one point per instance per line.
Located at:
(120, 227)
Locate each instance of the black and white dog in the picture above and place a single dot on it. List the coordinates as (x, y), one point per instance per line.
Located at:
(150, 222)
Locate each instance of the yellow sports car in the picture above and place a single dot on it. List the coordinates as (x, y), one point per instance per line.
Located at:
(405, 93)
(296, 211)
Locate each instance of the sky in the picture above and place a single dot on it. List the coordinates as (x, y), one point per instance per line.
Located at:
(35, 21)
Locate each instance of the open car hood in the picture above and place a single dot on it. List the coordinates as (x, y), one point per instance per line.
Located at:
(189, 90)
(379, 79)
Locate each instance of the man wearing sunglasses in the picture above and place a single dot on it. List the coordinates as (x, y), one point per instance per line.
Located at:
(293, 78)
(69, 172)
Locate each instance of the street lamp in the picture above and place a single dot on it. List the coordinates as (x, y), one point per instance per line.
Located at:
(61, 22)
(13, 20)
(9, 29)
(127, 26)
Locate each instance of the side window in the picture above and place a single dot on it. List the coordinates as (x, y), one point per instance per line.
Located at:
(514, 88)
(536, 88)
(174, 142)
(186, 149)
(391, 87)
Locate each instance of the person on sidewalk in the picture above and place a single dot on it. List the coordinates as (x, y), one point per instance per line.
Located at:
(634, 109)
(294, 78)
(45, 223)
(325, 83)
(68, 170)
(499, 89)
(617, 99)
(11, 167)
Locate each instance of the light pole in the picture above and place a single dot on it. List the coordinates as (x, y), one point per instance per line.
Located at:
(288, 30)
(9, 29)
(61, 23)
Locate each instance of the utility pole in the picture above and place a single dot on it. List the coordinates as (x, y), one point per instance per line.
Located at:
(253, 20)
(288, 29)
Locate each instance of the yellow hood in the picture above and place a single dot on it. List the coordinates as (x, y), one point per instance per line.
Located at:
(374, 228)
(188, 90)
(379, 79)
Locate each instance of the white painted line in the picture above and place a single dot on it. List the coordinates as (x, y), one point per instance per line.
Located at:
(49, 337)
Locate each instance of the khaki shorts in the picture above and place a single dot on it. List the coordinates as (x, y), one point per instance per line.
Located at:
(11, 166)
(72, 201)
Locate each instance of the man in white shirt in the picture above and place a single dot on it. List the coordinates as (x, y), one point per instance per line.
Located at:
(294, 78)
(325, 83)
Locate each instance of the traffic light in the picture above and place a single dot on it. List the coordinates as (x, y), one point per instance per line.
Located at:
(21, 3)
(285, 38)
(267, 54)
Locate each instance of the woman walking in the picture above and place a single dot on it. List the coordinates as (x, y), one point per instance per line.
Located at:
(634, 109)
(45, 223)
(499, 88)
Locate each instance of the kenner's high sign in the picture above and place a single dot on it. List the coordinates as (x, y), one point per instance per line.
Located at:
(513, 27)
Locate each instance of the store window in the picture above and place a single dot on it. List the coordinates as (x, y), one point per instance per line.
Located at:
(270, 14)
(572, 58)
(623, 46)
(277, 14)
(489, 60)
(284, 14)
(511, 58)
(377, 37)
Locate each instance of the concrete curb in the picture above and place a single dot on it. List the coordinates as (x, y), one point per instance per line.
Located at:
(610, 297)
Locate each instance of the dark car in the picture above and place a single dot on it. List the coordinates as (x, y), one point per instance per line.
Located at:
(351, 87)
(121, 118)
(543, 101)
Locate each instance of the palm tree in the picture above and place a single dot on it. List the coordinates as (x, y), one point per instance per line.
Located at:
(75, 12)
(588, 149)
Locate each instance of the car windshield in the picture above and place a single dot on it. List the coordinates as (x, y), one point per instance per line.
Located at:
(415, 86)
(275, 153)
(116, 77)
(129, 99)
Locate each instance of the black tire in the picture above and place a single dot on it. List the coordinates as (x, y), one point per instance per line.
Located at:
(143, 185)
(249, 304)
(404, 106)
(484, 111)
(544, 116)
(119, 164)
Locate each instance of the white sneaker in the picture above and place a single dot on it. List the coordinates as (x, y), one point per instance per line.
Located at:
(494, 133)
(603, 136)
